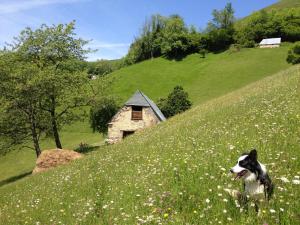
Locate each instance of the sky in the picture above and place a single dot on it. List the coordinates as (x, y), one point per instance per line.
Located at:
(110, 25)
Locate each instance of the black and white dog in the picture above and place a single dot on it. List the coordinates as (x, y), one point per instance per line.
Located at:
(256, 180)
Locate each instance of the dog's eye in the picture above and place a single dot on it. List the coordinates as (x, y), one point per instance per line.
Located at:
(241, 163)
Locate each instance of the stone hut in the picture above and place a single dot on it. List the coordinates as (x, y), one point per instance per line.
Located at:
(137, 113)
(270, 43)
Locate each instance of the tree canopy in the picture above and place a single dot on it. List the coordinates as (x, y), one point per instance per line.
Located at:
(170, 37)
(163, 36)
(21, 118)
(284, 23)
(101, 113)
(294, 54)
(176, 102)
(43, 82)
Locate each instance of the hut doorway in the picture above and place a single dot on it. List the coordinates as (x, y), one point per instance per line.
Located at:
(127, 133)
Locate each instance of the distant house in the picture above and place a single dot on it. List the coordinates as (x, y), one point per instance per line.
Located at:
(94, 77)
(137, 113)
(270, 43)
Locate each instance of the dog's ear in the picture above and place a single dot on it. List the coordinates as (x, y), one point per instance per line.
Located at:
(253, 154)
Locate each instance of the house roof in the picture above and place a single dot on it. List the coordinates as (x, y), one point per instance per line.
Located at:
(270, 41)
(140, 99)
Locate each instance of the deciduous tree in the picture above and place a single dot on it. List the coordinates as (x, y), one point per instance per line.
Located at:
(21, 119)
(176, 102)
(101, 113)
(54, 50)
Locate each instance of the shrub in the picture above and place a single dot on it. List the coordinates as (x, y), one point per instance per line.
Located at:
(85, 148)
(234, 48)
(176, 102)
(101, 113)
(203, 53)
(294, 54)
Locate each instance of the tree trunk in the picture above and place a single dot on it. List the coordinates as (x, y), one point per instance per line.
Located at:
(151, 54)
(54, 124)
(35, 138)
(55, 131)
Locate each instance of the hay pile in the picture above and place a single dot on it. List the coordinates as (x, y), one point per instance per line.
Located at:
(53, 158)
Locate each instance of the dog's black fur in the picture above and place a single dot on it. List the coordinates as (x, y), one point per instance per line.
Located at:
(251, 163)
(252, 172)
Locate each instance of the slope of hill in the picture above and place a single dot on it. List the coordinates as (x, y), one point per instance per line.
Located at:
(204, 79)
(18, 164)
(284, 4)
(175, 173)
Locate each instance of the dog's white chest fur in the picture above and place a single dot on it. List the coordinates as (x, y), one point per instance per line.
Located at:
(254, 188)
(252, 185)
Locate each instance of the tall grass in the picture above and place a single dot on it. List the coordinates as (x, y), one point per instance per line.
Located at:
(204, 79)
(176, 172)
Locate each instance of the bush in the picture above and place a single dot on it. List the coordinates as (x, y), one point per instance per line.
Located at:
(103, 67)
(101, 113)
(203, 53)
(176, 102)
(85, 148)
(294, 54)
(234, 48)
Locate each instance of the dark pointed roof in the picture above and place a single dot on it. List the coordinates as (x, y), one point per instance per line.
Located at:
(140, 99)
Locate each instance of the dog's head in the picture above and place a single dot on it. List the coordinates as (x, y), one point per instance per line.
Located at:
(247, 166)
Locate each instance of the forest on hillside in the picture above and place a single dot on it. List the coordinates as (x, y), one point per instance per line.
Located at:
(170, 37)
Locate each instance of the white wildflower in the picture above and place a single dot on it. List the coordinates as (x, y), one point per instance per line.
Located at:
(296, 181)
(284, 179)
(231, 147)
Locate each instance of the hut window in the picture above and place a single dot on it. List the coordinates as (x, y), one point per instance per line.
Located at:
(137, 113)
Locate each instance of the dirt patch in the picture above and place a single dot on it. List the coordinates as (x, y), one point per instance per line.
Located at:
(53, 158)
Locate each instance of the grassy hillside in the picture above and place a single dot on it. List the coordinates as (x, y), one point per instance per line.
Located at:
(17, 164)
(175, 173)
(204, 79)
(282, 4)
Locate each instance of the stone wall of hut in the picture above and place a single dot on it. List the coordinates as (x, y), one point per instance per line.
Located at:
(122, 122)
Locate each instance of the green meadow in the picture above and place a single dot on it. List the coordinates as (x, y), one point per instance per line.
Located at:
(176, 172)
(20, 163)
(203, 78)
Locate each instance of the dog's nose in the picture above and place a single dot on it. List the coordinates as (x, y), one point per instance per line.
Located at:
(231, 171)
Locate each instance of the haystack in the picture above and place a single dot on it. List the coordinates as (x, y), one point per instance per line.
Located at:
(53, 158)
